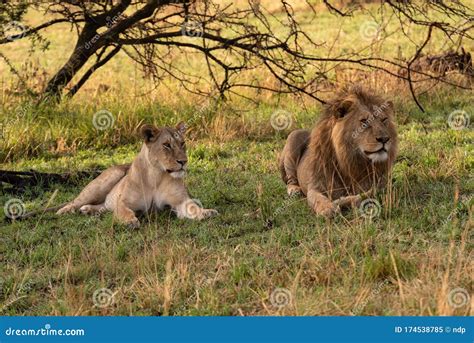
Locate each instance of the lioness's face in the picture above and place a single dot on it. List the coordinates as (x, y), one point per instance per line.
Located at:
(166, 148)
(369, 129)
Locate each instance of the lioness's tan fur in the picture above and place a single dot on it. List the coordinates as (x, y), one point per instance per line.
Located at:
(153, 180)
(343, 156)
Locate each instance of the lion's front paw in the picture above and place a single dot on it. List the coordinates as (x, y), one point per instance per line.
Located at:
(208, 213)
(348, 201)
(293, 190)
(326, 209)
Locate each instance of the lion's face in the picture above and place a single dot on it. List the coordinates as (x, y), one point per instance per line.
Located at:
(166, 149)
(368, 129)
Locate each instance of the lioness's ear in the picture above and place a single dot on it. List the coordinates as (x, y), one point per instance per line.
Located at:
(149, 133)
(181, 127)
(343, 108)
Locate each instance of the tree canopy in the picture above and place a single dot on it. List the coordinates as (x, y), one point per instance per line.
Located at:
(233, 37)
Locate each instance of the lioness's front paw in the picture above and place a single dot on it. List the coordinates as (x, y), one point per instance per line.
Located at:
(69, 208)
(92, 210)
(326, 209)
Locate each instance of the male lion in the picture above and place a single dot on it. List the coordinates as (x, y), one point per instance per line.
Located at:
(350, 150)
(153, 179)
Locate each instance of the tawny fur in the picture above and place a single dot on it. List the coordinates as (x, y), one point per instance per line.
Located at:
(342, 158)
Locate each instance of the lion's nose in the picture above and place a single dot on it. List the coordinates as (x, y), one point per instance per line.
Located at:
(182, 162)
(383, 139)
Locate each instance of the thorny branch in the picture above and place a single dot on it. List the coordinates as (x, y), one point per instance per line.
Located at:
(233, 38)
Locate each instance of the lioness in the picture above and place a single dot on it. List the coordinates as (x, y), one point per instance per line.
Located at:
(350, 150)
(153, 179)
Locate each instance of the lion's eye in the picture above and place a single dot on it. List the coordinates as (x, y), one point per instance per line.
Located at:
(385, 120)
(167, 145)
(364, 122)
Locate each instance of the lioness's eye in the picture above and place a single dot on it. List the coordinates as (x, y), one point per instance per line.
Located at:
(364, 122)
(384, 120)
(167, 145)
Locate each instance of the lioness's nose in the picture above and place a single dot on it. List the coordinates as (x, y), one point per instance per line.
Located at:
(182, 162)
(383, 139)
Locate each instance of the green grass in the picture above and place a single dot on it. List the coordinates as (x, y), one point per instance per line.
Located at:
(229, 265)
(404, 261)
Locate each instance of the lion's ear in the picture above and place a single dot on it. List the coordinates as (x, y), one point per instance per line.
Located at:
(181, 127)
(343, 108)
(149, 133)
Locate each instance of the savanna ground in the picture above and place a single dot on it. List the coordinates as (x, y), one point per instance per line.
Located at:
(406, 260)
